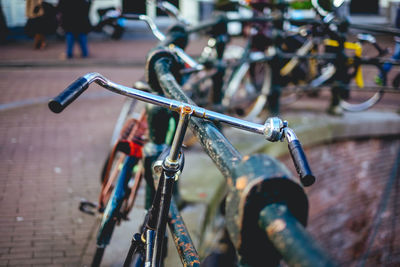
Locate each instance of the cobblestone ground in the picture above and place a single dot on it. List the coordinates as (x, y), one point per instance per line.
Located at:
(49, 162)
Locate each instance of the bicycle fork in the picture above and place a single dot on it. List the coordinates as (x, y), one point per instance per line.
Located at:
(171, 167)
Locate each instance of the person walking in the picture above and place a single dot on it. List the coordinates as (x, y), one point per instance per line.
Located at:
(76, 24)
(41, 21)
(34, 12)
(381, 79)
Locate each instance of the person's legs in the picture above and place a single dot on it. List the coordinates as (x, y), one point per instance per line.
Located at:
(36, 41)
(396, 54)
(70, 39)
(83, 44)
(381, 79)
(42, 41)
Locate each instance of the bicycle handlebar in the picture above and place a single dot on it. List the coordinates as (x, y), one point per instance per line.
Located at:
(172, 11)
(272, 130)
(299, 158)
(149, 21)
(162, 37)
(72, 92)
(65, 98)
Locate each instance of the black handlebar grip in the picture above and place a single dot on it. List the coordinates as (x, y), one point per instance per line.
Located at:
(301, 164)
(60, 102)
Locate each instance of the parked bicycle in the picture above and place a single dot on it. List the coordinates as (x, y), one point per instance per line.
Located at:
(266, 181)
(110, 23)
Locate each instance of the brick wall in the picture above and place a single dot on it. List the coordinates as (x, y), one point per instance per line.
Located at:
(351, 180)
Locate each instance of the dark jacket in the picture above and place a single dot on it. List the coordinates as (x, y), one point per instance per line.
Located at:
(46, 23)
(75, 15)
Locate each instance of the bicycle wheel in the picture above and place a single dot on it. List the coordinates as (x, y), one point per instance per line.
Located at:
(130, 109)
(133, 131)
(121, 180)
(124, 114)
(297, 73)
(247, 90)
(115, 210)
(131, 113)
(363, 91)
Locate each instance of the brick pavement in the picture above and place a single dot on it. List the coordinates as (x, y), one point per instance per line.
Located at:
(49, 162)
(128, 51)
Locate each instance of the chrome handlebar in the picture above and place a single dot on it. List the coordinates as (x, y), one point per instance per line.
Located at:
(192, 63)
(274, 129)
(149, 21)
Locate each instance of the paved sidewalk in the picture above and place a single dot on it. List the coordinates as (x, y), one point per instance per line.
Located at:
(48, 163)
(129, 51)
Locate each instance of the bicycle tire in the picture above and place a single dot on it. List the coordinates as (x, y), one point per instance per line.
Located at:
(362, 97)
(296, 72)
(117, 196)
(112, 212)
(126, 111)
(367, 104)
(133, 130)
(98, 256)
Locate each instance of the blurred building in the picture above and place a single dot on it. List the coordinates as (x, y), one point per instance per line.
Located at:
(14, 10)
(192, 10)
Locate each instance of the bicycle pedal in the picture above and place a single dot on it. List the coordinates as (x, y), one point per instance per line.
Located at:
(87, 207)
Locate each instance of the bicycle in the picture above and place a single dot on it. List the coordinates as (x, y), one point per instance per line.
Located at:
(266, 182)
(130, 156)
(126, 164)
(311, 71)
(142, 139)
(324, 72)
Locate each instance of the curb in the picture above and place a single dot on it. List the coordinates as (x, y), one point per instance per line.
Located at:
(76, 63)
